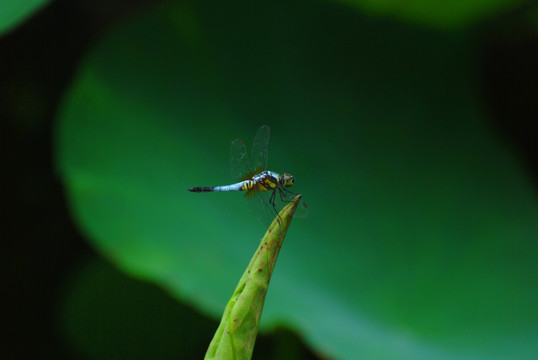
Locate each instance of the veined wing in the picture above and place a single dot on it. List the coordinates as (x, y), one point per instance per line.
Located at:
(265, 206)
(258, 203)
(240, 167)
(260, 149)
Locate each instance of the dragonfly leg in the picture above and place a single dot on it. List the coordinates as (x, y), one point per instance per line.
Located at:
(286, 195)
(272, 201)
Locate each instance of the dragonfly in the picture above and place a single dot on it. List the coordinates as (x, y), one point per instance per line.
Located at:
(266, 191)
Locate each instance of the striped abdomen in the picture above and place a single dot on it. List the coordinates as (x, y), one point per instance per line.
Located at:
(240, 186)
(264, 181)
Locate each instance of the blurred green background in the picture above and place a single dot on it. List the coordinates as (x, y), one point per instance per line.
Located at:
(410, 129)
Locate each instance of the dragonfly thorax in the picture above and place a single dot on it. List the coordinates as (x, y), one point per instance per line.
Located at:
(270, 180)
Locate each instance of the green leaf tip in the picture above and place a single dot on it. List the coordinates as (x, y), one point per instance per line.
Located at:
(236, 334)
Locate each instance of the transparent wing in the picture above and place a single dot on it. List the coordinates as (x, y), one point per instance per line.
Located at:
(240, 167)
(302, 210)
(260, 149)
(265, 207)
(258, 203)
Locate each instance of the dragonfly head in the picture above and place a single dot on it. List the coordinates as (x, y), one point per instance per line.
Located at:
(287, 180)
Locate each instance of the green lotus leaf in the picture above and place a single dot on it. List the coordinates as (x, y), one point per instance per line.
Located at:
(420, 241)
(437, 14)
(13, 12)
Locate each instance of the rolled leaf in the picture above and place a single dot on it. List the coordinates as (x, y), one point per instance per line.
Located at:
(236, 334)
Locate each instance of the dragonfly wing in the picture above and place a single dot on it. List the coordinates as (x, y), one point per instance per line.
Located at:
(240, 166)
(260, 149)
(258, 203)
